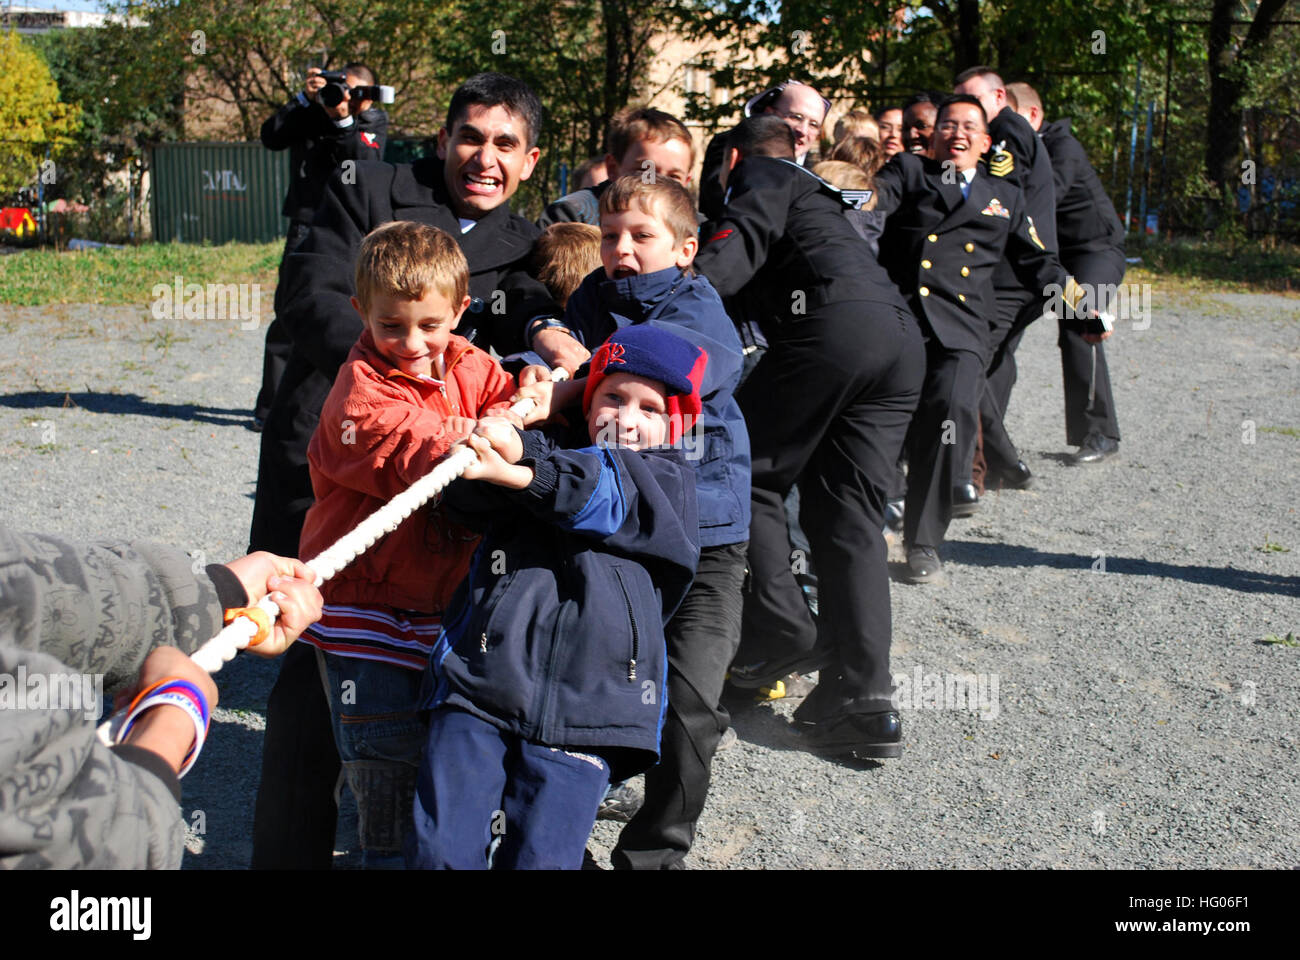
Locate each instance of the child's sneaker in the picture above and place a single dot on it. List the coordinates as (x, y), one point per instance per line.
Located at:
(621, 803)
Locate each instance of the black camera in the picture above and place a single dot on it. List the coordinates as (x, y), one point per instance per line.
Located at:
(336, 89)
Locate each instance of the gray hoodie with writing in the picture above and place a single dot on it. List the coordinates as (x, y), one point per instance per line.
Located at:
(71, 613)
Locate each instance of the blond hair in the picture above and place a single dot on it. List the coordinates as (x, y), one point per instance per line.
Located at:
(634, 124)
(564, 254)
(858, 122)
(846, 176)
(666, 200)
(862, 152)
(1023, 95)
(406, 259)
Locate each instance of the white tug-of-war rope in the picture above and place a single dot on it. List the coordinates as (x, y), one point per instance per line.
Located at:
(240, 631)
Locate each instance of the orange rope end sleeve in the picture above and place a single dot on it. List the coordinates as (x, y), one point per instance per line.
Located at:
(258, 616)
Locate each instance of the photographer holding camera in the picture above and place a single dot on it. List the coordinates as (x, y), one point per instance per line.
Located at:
(332, 120)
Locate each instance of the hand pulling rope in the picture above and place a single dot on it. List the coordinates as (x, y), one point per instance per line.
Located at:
(249, 626)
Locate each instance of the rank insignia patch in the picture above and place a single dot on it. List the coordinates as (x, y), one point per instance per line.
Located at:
(1001, 163)
(995, 209)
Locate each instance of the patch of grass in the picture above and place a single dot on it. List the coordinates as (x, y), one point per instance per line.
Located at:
(1289, 640)
(1288, 431)
(244, 715)
(164, 340)
(1251, 266)
(106, 276)
(1272, 547)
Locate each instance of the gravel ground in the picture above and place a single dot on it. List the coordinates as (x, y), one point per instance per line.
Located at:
(1138, 720)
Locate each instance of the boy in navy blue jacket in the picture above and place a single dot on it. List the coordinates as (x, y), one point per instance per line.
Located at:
(548, 678)
(649, 236)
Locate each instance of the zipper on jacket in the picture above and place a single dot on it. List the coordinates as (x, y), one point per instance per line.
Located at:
(631, 664)
(500, 589)
(542, 728)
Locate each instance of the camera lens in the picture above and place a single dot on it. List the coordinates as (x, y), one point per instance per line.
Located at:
(332, 94)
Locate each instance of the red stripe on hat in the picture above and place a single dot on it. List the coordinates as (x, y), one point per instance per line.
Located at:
(684, 409)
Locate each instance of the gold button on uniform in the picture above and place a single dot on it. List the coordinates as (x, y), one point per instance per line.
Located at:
(961, 297)
(965, 271)
(925, 264)
(933, 238)
(925, 291)
(970, 248)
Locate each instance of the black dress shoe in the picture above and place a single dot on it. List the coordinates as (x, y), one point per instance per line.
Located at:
(1015, 478)
(765, 673)
(923, 565)
(1095, 449)
(877, 734)
(965, 500)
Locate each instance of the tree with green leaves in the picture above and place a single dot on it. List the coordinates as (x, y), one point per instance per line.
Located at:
(1231, 59)
(127, 82)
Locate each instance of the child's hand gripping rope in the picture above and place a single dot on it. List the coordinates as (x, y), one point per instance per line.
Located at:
(253, 625)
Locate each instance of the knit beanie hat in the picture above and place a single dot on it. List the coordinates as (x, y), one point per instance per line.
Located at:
(647, 351)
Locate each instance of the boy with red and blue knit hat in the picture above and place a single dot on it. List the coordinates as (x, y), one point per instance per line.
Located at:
(648, 244)
(549, 676)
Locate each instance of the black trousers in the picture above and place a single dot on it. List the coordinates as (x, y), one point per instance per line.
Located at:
(754, 644)
(296, 814)
(1016, 310)
(829, 406)
(941, 440)
(1089, 404)
(702, 639)
(278, 343)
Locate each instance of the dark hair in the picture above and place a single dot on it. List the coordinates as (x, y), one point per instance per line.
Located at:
(924, 96)
(981, 70)
(957, 98)
(361, 72)
(584, 168)
(763, 136)
(497, 90)
(884, 110)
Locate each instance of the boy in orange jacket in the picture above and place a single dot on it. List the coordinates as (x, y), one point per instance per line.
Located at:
(408, 391)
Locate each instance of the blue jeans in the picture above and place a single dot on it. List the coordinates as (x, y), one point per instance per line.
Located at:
(479, 785)
(373, 710)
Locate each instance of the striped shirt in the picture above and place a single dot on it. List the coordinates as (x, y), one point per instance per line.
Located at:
(404, 638)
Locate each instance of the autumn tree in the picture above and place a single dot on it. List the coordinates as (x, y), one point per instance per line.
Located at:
(35, 124)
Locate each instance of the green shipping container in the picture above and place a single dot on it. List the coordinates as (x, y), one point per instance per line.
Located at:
(218, 192)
